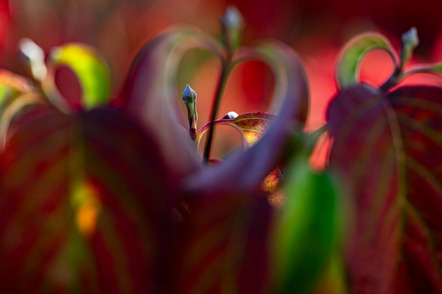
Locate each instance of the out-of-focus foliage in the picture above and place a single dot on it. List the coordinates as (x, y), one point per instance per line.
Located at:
(110, 193)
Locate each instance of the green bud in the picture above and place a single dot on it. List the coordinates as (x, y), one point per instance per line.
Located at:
(232, 24)
(410, 41)
(189, 95)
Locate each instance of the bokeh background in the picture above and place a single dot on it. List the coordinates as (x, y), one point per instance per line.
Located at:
(315, 29)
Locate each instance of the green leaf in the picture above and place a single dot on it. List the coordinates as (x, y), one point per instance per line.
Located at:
(429, 68)
(437, 68)
(91, 69)
(251, 125)
(307, 230)
(351, 56)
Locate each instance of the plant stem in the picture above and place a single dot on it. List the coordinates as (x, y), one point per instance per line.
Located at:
(226, 67)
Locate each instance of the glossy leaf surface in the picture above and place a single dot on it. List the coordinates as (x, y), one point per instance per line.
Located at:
(384, 146)
(83, 202)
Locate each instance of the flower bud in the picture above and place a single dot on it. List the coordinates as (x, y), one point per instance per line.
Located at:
(232, 24)
(189, 95)
(410, 41)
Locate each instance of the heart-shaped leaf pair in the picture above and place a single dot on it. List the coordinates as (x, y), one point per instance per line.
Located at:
(223, 240)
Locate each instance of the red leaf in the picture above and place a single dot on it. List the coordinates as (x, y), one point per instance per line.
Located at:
(363, 152)
(223, 246)
(419, 114)
(83, 202)
(384, 147)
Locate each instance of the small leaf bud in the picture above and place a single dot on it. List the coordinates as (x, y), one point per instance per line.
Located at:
(189, 95)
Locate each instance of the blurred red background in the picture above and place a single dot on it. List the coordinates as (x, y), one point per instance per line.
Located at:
(315, 29)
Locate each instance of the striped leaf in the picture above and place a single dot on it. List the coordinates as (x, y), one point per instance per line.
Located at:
(384, 147)
(223, 246)
(83, 203)
(419, 114)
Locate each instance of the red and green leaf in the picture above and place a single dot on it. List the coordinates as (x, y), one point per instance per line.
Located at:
(419, 115)
(223, 246)
(385, 148)
(83, 202)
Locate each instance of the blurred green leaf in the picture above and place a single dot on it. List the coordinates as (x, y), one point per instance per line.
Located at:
(429, 68)
(351, 56)
(307, 231)
(89, 66)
